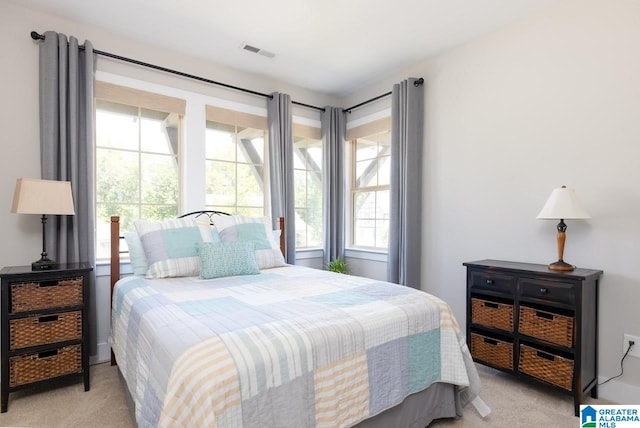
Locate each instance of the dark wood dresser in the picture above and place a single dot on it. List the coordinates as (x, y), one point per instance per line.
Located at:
(44, 325)
(536, 323)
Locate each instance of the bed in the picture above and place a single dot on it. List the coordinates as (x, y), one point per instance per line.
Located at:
(287, 346)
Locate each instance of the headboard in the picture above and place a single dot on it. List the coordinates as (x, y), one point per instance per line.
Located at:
(116, 237)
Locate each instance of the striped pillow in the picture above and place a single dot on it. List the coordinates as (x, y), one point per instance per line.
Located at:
(255, 229)
(171, 246)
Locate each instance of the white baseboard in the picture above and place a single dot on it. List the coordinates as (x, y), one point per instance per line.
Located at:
(103, 354)
(619, 392)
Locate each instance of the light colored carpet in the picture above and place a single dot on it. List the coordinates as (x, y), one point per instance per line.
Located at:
(513, 402)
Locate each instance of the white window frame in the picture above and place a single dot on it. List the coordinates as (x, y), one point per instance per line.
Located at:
(374, 125)
(314, 133)
(237, 118)
(140, 99)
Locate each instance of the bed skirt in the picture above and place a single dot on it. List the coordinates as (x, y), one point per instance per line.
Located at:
(417, 410)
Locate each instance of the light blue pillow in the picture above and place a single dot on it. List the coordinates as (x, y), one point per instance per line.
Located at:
(227, 259)
(136, 253)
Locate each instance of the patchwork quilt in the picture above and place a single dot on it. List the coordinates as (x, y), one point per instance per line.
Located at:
(289, 347)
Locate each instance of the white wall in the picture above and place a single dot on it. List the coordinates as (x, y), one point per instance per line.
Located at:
(552, 100)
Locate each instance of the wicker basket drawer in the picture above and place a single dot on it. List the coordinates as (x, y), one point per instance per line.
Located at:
(492, 351)
(24, 369)
(30, 296)
(44, 329)
(550, 368)
(493, 314)
(549, 326)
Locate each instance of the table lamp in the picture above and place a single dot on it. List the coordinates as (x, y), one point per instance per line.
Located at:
(562, 205)
(43, 197)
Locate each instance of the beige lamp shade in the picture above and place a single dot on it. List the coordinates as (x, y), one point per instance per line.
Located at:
(42, 197)
(563, 204)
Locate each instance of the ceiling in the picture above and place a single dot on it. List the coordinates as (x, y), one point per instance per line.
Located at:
(329, 46)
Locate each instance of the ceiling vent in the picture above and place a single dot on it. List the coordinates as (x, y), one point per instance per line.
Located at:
(248, 47)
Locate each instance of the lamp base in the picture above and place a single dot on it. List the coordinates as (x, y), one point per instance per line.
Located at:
(561, 266)
(44, 264)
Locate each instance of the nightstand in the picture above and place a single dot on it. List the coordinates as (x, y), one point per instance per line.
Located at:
(44, 326)
(536, 323)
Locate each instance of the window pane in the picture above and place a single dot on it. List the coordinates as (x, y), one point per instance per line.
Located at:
(313, 216)
(365, 149)
(382, 204)
(365, 233)
(370, 194)
(159, 179)
(249, 211)
(236, 185)
(118, 177)
(308, 192)
(221, 183)
(251, 143)
(249, 186)
(365, 205)
(155, 132)
(133, 180)
(314, 151)
(300, 183)
(382, 233)
(367, 173)
(117, 125)
(159, 212)
(384, 171)
(251, 151)
(220, 145)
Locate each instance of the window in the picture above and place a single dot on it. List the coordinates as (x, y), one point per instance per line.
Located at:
(137, 164)
(370, 191)
(307, 165)
(235, 169)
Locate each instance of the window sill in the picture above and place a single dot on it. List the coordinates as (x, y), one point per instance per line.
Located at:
(309, 253)
(103, 267)
(373, 255)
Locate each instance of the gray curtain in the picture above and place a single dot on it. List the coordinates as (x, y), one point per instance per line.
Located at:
(281, 169)
(405, 229)
(333, 192)
(67, 76)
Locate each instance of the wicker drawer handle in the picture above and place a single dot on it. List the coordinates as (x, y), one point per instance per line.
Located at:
(545, 356)
(490, 341)
(489, 281)
(46, 354)
(48, 284)
(544, 290)
(48, 318)
(544, 315)
(491, 305)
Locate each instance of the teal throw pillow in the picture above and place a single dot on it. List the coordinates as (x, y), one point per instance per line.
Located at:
(218, 260)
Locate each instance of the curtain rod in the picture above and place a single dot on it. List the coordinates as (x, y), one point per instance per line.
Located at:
(36, 36)
(418, 82)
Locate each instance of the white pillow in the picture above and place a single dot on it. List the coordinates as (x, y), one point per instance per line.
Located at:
(171, 246)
